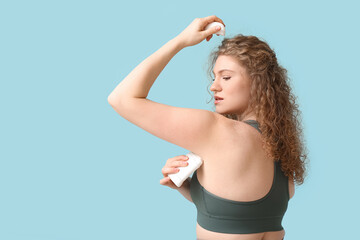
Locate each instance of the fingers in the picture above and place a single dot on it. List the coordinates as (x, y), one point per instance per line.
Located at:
(172, 165)
(213, 18)
(213, 30)
(166, 171)
(165, 180)
(178, 158)
(182, 163)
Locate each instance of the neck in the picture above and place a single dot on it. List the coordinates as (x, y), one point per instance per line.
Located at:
(247, 117)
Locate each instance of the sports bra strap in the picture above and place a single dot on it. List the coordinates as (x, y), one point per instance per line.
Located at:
(253, 123)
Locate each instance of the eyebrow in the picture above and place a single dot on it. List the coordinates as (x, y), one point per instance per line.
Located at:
(222, 70)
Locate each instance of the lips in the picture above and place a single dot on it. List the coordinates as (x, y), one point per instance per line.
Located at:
(218, 98)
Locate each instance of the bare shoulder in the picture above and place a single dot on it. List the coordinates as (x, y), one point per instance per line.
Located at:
(235, 127)
(238, 137)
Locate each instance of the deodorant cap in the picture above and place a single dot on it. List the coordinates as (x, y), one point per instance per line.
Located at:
(221, 31)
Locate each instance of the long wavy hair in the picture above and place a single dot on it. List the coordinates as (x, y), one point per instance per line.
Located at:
(271, 100)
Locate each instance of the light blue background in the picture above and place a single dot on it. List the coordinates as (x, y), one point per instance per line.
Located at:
(72, 168)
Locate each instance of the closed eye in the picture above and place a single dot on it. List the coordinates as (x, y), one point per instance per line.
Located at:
(226, 78)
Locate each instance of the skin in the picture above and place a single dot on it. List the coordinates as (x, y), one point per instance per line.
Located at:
(234, 88)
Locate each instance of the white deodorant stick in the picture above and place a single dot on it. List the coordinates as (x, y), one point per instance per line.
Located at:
(185, 172)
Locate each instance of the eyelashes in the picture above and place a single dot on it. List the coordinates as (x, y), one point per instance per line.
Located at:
(226, 78)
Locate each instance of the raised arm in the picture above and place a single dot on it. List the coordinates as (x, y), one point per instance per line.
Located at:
(192, 129)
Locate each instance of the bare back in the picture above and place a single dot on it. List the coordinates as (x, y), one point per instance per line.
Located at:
(245, 170)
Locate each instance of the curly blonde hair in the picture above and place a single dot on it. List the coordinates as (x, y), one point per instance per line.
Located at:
(271, 100)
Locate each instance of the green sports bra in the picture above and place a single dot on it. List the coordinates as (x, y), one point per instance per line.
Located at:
(222, 215)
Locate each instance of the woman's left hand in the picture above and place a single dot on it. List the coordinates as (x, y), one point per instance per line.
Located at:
(195, 32)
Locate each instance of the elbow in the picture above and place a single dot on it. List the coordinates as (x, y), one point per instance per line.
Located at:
(116, 104)
(109, 100)
(112, 101)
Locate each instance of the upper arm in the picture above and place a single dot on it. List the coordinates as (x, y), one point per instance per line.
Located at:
(188, 128)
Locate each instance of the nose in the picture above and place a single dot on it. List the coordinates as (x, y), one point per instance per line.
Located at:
(215, 86)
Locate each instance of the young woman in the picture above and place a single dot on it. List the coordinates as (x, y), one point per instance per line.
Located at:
(250, 145)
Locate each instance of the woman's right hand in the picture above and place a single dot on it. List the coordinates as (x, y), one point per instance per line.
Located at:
(171, 166)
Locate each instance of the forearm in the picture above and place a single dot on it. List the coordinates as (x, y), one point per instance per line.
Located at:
(185, 189)
(138, 83)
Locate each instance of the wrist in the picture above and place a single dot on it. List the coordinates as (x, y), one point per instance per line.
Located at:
(180, 44)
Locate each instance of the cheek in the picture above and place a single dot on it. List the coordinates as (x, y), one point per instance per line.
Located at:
(240, 91)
